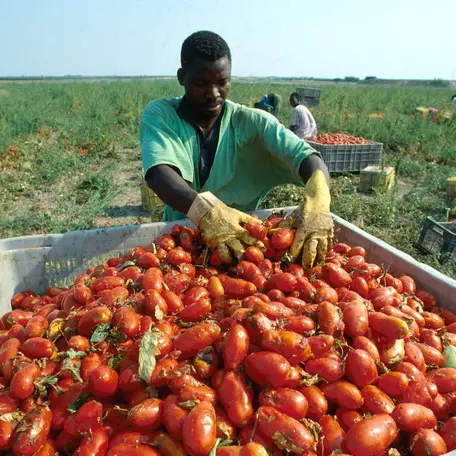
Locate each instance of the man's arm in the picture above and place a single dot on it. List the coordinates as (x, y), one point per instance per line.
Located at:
(294, 128)
(309, 165)
(170, 187)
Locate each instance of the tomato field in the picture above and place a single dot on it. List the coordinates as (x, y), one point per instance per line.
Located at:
(70, 158)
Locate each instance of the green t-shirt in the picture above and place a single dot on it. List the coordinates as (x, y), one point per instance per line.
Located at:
(255, 153)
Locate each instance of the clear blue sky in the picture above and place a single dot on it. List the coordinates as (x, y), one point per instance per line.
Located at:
(319, 38)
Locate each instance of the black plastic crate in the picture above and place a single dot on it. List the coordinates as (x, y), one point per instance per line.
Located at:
(349, 157)
(309, 97)
(438, 237)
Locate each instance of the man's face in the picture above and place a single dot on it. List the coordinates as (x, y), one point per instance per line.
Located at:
(207, 85)
(294, 102)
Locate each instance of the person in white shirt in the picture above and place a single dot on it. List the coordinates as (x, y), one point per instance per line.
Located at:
(302, 122)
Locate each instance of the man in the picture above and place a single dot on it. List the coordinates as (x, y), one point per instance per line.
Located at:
(203, 153)
(302, 122)
(270, 103)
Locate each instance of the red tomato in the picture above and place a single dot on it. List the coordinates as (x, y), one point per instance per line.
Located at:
(356, 319)
(412, 417)
(173, 416)
(327, 368)
(327, 294)
(6, 435)
(376, 401)
(330, 319)
(347, 418)
(294, 347)
(282, 238)
(336, 276)
(356, 251)
(296, 436)
(427, 442)
(190, 341)
(127, 321)
(206, 362)
(148, 414)
(88, 416)
(444, 378)
(36, 327)
(235, 346)
(331, 436)
(103, 382)
(148, 260)
(448, 433)
(22, 384)
(92, 318)
(199, 429)
(360, 368)
(344, 394)
(32, 432)
(256, 229)
(236, 398)
(408, 284)
(94, 443)
(267, 368)
(285, 400)
(393, 383)
(371, 436)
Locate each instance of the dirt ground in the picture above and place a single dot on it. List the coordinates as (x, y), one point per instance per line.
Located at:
(126, 208)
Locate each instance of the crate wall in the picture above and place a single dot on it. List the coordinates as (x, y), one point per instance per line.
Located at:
(350, 157)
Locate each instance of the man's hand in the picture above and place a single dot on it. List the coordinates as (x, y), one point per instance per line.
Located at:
(221, 226)
(313, 222)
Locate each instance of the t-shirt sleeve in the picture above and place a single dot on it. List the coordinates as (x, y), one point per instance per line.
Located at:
(283, 144)
(294, 118)
(160, 142)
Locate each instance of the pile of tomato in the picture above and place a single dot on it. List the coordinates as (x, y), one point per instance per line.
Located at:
(168, 351)
(340, 139)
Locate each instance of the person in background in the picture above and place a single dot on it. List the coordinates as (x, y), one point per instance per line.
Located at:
(302, 122)
(210, 159)
(270, 103)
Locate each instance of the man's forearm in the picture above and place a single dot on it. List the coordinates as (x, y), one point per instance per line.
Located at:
(171, 188)
(310, 164)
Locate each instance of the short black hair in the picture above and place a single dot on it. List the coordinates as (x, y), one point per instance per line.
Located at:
(205, 45)
(295, 95)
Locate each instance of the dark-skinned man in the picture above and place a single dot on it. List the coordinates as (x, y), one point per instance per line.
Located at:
(210, 159)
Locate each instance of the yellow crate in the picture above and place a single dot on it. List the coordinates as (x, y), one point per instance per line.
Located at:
(149, 200)
(451, 187)
(375, 177)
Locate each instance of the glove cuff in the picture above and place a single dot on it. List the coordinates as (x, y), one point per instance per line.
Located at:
(201, 205)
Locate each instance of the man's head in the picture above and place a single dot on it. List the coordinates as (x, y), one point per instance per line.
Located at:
(294, 100)
(205, 73)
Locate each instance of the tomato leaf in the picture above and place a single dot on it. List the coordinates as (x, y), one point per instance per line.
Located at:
(188, 404)
(71, 353)
(449, 355)
(114, 361)
(116, 335)
(219, 443)
(78, 403)
(127, 264)
(101, 333)
(73, 369)
(12, 417)
(185, 324)
(43, 382)
(147, 352)
(55, 329)
(159, 313)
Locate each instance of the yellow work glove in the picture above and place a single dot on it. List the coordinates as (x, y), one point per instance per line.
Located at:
(313, 222)
(221, 226)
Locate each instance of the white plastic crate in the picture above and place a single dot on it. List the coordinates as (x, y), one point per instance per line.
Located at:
(36, 262)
